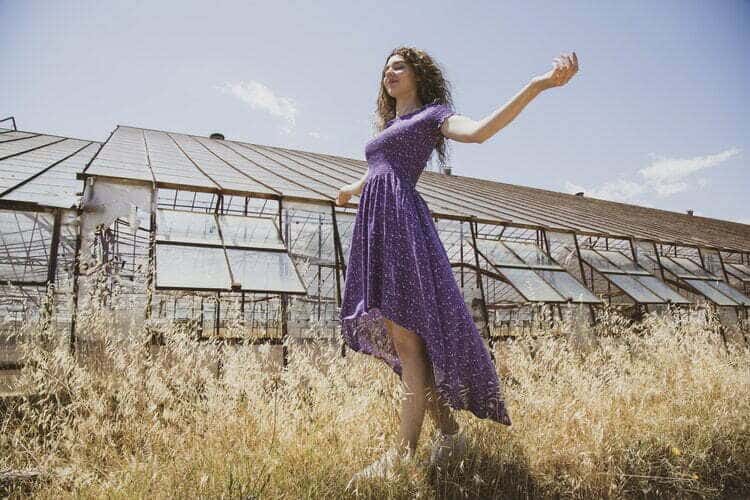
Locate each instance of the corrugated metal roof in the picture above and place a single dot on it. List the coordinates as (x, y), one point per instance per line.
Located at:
(41, 169)
(182, 161)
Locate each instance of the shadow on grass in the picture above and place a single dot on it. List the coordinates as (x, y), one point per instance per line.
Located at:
(482, 474)
(475, 474)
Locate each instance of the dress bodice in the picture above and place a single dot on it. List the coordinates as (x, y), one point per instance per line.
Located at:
(405, 145)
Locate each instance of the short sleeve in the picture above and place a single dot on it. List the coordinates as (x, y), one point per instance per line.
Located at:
(440, 113)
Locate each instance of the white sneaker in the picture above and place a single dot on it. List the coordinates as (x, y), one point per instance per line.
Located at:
(382, 468)
(447, 445)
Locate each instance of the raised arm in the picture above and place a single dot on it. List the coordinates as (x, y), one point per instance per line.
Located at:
(463, 129)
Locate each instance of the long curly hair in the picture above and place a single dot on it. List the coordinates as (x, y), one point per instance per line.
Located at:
(432, 86)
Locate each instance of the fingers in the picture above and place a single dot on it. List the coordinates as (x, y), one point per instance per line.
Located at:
(566, 64)
(342, 198)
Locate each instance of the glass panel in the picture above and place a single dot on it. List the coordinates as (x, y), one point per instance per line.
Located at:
(531, 285)
(497, 253)
(623, 262)
(730, 292)
(712, 262)
(250, 232)
(260, 270)
(597, 261)
(692, 267)
(186, 227)
(568, 286)
(661, 289)
(57, 187)
(25, 239)
(674, 268)
(741, 271)
(191, 267)
(634, 289)
(711, 293)
(531, 254)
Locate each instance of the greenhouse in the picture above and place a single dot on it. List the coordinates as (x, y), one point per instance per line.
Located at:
(244, 242)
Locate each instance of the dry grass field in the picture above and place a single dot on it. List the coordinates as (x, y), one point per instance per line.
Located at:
(658, 409)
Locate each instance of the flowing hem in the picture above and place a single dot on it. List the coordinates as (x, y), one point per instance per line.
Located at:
(365, 331)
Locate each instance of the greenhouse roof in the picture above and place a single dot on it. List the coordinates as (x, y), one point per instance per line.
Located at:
(37, 164)
(41, 169)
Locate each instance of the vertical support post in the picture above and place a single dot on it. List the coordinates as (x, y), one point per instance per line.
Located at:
(583, 276)
(723, 267)
(702, 259)
(151, 263)
(545, 240)
(52, 264)
(580, 262)
(76, 276)
(217, 314)
(633, 252)
(320, 255)
(461, 250)
(658, 251)
(483, 305)
(338, 255)
(284, 330)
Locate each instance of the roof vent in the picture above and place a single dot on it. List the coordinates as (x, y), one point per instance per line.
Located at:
(447, 170)
(580, 193)
(217, 135)
(690, 211)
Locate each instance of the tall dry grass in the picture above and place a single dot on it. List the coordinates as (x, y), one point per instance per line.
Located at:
(660, 408)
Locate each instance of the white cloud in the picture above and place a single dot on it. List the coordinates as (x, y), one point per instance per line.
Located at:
(618, 190)
(261, 97)
(669, 175)
(663, 177)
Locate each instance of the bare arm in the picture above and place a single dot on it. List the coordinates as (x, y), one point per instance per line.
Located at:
(464, 129)
(349, 190)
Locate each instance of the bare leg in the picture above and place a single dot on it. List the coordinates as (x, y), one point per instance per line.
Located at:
(415, 372)
(440, 411)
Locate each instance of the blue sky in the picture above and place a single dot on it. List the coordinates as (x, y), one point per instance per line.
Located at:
(658, 115)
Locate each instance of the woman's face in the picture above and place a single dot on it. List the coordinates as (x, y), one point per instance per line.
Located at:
(398, 77)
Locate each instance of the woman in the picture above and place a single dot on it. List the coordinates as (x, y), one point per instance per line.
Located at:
(401, 302)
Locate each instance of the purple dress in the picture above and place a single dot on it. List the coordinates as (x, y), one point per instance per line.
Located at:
(398, 269)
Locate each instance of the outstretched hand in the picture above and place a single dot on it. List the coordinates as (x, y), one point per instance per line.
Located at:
(343, 196)
(563, 69)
